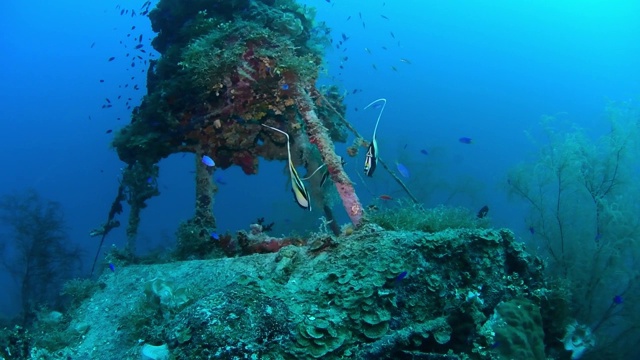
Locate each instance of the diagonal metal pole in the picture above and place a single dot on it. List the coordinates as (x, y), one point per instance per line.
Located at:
(355, 132)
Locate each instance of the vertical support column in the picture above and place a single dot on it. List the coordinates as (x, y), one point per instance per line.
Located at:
(319, 136)
(206, 190)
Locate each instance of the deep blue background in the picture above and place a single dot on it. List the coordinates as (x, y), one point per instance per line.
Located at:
(482, 69)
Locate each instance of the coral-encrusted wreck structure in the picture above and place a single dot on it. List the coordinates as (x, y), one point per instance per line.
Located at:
(466, 293)
(228, 67)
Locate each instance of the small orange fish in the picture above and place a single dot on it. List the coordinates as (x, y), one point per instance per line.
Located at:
(385, 197)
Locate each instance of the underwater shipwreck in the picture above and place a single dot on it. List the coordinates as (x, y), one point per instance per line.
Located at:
(236, 82)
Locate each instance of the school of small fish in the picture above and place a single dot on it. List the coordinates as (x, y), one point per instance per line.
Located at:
(383, 44)
(135, 57)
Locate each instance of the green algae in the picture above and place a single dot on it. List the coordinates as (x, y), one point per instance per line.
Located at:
(406, 215)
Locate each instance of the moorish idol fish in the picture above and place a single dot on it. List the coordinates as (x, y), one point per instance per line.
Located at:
(371, 159)
(300, 193)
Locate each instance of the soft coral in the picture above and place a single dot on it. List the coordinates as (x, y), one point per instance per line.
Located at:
(247, 162)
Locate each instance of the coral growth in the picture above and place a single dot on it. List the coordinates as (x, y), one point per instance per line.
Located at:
(517, 325)
(140, 184)
(231, 75)
(36, 252)
(406, 215)
(581, 193)
(318, 135)
(256, 241)
(375, 294)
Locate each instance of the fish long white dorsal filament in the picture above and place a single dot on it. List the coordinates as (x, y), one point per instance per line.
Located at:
(384, 103)
(313, 173)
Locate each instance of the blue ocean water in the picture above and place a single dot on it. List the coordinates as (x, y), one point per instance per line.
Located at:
(486, 70)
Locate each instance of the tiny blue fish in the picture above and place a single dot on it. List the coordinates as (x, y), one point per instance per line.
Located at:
(424, 152)
(403, 170)
(215, 236)
(220, 180)
(495, 344)
(618, 299)
(285, 87)
(402, 276)
(532, 230)
(149, 180)
(208, 161)
(465, 140)
(112, 267)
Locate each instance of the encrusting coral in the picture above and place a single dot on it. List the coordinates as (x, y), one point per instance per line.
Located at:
(318, 135)
(373, 294)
